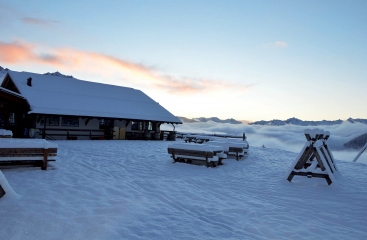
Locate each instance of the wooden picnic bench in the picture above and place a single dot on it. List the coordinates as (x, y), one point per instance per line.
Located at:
(237, 151)
(19, 152)
(211, 157)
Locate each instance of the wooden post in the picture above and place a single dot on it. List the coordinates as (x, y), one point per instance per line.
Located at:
(44, 128)
(45, 155)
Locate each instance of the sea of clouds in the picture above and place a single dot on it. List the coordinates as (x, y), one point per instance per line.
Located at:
(288, 137)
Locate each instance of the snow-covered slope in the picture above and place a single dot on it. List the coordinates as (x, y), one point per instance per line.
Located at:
(357, 143)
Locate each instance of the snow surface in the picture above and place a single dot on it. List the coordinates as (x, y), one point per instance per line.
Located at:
(26, 143)
(132, 190)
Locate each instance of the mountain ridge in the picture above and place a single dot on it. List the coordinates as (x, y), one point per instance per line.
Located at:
(296, 121)
(274, 122)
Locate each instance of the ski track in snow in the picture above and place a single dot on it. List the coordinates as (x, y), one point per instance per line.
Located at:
(132, 190)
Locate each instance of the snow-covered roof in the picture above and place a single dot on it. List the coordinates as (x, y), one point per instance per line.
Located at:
(69, 96)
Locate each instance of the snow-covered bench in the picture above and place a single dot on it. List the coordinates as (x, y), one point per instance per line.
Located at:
(232, 148)
(5, 133)
(211, 156)
(35, 152)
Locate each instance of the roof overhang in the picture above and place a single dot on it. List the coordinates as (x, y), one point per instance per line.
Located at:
(12, 96)
(103, 117)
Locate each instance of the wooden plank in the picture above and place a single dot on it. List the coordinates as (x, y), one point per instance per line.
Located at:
(309, 151)
(195, 153)
(25, 150)
(45, 154)
(310, 174)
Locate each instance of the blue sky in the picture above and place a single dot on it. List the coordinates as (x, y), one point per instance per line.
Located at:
(248, 60)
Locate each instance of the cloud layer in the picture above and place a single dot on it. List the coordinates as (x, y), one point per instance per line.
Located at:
(288, 137)
(76, 60)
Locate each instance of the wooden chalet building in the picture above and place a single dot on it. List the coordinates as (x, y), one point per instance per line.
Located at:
(56, 107)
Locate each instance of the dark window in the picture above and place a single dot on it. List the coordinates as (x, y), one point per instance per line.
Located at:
(50, 121)
(105, 123)
(70, 121)
(150, 126)
(137, 126)
(11, 118)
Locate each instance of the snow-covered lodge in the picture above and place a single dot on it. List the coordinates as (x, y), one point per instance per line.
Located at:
(56, 107)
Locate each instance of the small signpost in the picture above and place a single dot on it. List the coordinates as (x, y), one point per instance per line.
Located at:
(315, 159)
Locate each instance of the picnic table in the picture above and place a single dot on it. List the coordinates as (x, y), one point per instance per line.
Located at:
(211, 156)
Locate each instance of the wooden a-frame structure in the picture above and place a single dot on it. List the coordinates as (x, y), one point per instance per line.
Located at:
(315, 159)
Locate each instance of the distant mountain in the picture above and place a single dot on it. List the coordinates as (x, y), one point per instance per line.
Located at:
(296, 121)
(357, 142)
(58, 74)
(3, 70)
(214, 119)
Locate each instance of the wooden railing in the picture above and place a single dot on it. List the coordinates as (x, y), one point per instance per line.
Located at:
(71, 134)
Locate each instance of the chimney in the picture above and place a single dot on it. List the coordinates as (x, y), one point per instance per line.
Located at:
(29, 81)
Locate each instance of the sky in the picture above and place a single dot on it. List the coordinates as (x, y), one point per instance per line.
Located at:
(247, 60)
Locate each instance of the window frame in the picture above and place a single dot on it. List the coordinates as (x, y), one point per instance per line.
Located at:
(48, 122)
(69, 121)
(137, 125)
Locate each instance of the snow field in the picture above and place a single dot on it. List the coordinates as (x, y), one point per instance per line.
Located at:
(132, 190)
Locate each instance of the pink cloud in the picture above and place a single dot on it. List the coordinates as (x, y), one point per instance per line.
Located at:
(16, 52)
(38, 21)
(71, 59)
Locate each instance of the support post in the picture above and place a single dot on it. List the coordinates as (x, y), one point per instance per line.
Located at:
(45, 155)
(44, 128)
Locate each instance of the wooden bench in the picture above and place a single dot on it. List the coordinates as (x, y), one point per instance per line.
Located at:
(18, 152)
(211, 156)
